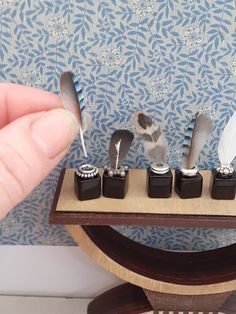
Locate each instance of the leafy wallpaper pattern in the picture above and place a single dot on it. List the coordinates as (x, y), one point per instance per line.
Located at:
(171, 58)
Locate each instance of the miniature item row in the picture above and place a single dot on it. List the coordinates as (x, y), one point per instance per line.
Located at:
(91, 186)
(188, 181)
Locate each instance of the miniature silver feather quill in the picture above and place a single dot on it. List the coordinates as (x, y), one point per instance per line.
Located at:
(227, 146)
(119, 146)
(71, 102)
(196, 136)
(86, 118)
(151, 136)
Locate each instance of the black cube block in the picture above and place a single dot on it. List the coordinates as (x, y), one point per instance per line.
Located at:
(116, 186)
(222, 188)
(159, 185)
(87, 189)
(188, 187)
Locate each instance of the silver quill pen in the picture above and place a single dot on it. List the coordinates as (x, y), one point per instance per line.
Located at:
(151, 136)
(196, 136)
(119, 146)
(71, 102)
(226, 147)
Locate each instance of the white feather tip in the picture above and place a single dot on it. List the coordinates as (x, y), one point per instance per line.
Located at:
(227, 144)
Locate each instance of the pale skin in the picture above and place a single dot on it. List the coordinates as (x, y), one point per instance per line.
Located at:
(35, 134)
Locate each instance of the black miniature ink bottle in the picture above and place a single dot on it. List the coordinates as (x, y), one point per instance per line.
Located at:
(87, 183)
(159, 181)
(188, 183)
(223, 183)
(115, 183)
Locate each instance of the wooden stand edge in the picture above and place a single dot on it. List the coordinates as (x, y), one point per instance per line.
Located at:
(103, 218)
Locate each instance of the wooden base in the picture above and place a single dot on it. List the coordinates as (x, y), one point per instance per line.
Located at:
(125, 299)
(159, 280)
(199, 303)
(130, 299)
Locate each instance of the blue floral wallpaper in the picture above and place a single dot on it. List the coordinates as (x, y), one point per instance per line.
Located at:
(171, 58)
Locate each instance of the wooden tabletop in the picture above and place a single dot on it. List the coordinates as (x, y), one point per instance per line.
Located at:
(138, 209)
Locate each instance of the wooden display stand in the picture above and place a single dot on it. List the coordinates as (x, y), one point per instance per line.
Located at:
(157, 280)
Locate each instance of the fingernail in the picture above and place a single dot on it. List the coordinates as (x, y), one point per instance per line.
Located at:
(54, 131)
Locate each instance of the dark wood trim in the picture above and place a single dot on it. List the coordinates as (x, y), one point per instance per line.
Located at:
(195, 268)
(125, 299)
(96, 218)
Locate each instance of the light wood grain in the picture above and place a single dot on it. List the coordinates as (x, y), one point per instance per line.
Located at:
(102, 259)
(136, 200)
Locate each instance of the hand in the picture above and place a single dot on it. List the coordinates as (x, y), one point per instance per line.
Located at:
(35, 133)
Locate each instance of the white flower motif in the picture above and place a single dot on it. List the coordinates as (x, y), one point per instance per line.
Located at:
(31, 77)
(111, 57)
(233, 67)
(159, 87)
(193, 37)
(142, 7)
(57, 27)
(6, 3)
(208, 110)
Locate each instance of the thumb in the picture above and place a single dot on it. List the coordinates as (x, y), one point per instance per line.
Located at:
(30, 147)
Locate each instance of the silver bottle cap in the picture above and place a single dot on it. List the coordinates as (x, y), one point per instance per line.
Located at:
(225, 170)
(189, 172)
(160, 168)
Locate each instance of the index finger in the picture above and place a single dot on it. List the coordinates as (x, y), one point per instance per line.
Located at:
(18, 100)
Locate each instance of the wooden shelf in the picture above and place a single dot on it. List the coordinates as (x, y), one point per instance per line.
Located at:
(138, 209)
(200, 281)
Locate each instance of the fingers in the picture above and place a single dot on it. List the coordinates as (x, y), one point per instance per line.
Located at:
(18, 100)
(30, 147)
